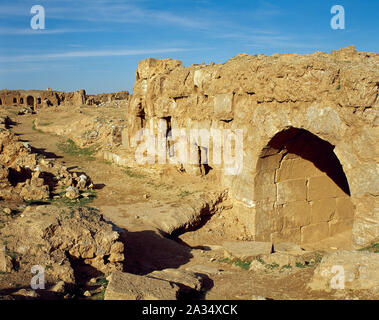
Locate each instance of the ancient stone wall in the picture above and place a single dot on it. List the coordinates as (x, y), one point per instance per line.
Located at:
(310, 136)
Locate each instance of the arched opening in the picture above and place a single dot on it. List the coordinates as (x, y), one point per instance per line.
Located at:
(30, 101)
(38, 100)
(21, 100)
(301, 192)
(14, 100)
(1, 102)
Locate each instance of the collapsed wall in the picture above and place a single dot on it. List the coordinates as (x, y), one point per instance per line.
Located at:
(309, 128)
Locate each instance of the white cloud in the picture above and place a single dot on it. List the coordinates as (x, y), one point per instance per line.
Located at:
(21, 32)
(87, 54)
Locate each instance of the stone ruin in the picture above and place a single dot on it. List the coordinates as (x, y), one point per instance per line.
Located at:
(39, 99)
(309, 133)
(309, 136)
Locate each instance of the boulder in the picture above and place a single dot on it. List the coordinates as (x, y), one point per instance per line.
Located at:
(288, 247)
(180, 277)
(203, 269)
(246, 250)
(127, 286)
(72, 193)
(360, 271)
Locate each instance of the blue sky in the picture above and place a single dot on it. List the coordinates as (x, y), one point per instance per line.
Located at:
(96, 44)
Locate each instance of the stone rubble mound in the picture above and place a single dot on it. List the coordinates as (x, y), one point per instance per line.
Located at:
(56, 238)
(27, 176)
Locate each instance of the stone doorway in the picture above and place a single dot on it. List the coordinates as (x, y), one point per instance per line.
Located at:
(30, 101)
(301, 191)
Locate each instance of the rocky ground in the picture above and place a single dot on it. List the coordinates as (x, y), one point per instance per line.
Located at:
(101, 230)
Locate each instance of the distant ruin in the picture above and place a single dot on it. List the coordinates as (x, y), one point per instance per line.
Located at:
(38, 99)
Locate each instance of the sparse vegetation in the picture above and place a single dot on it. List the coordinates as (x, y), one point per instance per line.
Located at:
(371, 248)
(316, 260)
(69, 147)
(130, 173)
(44, 124)
(35, 128)
(159, 185)
(184, 194)
(237, 262)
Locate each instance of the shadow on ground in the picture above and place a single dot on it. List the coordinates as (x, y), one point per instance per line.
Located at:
(147, 251)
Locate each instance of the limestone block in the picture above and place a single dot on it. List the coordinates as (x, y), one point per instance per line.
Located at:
(127, 286)
(296, 169)
(223, 106)
(296, 214)
(338, 226)
(291, 235)
(246, 250)
(266, 215)
(288, 247)
(265, 189)
(269, 163)
(186, 278)
(344, 208)
(314, 232)
(323, 187)
(291, 190)
(323, 210)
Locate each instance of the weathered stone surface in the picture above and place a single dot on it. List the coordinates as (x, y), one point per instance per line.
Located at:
(59, 287)
(291, 190)
(53, 236)
(314, 232)
(186, 278)
(360, 271)
(323, 210)
(296, 214)
(223, 106)
(26, 293)
(5, 261)
(246, 250)
(288, 247)
(203, 269)
(323, 187)
(169, 218)
(281, 258)
(127, 286)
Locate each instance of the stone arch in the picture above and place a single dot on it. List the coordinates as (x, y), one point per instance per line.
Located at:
(30, 101)
(21, 100)
(301, 192)
(14, 100)
(1, 102)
